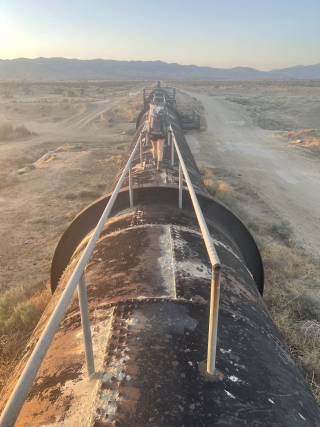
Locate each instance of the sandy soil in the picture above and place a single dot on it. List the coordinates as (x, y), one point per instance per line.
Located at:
(36, 210)
(280, 178)
(282, 174)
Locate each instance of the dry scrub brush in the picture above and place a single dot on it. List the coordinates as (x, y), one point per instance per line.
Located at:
(126, 109)
(289, 283)
(310, 137)
(18, 318)
(8, 132)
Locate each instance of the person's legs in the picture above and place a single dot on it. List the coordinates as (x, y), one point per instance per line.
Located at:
(154, 149)
(160, 152)
(160, 149)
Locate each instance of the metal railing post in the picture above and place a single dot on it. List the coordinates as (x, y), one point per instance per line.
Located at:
(172, 151)
(85, 320)
(147, 139)
(169, 138)
(213, 320)
(130, 186)
(216, 266)
(141, 153)
(180, 185)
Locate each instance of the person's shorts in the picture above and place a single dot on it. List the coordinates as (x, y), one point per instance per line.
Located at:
(155, 136)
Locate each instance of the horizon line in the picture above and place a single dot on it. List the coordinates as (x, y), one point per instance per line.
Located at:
(158, 60)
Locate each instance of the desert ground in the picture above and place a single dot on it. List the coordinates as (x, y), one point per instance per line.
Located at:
(251, 143)
(89, 123)
(90, 126)
(247, 138)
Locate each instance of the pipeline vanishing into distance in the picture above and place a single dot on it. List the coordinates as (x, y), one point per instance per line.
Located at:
(148, 283)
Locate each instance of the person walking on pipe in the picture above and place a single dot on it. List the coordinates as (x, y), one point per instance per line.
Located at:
(157, 128)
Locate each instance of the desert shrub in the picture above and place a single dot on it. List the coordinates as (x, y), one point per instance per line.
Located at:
(23, 130)
(211, 185)
(39, 220)
(88, 193)
(281, 229)
(20, 313)
(114, 160)
(58, 219)
(307, 306)
(259, 241)
(253, 223)
(222, 191)
(29, 167)
(6, 129)
(202, 170)
(228, 198)
(58, 91)
(126, 110)
(8, 180)
(281, 263)
(83, 193)
(18, 318)
(70, 93)
(68, 195)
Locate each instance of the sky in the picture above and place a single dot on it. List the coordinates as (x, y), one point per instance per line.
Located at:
(263, 34)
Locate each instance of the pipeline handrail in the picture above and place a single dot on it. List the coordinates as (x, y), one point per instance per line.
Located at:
(214, 259)
(21, 390)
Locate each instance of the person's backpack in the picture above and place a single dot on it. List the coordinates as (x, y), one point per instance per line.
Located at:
(156, 123)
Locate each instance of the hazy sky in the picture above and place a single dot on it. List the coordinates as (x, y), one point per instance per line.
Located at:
(263, 34)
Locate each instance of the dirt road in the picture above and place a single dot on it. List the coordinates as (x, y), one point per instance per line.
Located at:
(64, 130)
(282, 174)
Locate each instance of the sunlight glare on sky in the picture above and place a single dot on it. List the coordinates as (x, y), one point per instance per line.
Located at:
(253, 33)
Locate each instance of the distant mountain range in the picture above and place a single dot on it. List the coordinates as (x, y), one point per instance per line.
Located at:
(62, 68)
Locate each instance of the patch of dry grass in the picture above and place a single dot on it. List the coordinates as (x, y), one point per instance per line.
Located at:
(83, 193)
(289, 275)
(222, 191)
(125, 110)
(8, 132)
(18, 318)
(310, 138)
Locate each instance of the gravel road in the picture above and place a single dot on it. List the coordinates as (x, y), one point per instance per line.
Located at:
(284, 175)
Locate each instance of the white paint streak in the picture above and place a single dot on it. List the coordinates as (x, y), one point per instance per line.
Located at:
(166, 262)
(225, 351)
(230, 395)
